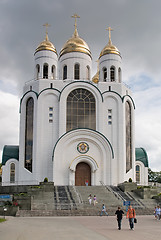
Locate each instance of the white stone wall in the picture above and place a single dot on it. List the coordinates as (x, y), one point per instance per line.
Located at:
(108, 61)
(48, 57)
(70, 59)
(6, 172)
(47, 133)
(66, 157)
(143, 173)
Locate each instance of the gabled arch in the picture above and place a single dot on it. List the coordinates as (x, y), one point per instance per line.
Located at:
(81, 86)
(87, 159)
(51, 89)
(31, 91)
(86, 130)
(124, 98)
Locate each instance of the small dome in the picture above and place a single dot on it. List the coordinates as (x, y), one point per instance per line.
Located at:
(109, 48)
(46, 45)
(75, 44)
(95, 79)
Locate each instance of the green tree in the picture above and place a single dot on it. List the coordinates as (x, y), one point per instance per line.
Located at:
(154, 176)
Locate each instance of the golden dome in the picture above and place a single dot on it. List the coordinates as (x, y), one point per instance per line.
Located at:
(95, 79)
(109, 48)
(46, 45)
(75, 44)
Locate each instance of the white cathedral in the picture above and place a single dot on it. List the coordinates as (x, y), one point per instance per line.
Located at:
(75, 128)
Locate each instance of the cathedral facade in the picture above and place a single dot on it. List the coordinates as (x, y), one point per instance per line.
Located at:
(75, 128)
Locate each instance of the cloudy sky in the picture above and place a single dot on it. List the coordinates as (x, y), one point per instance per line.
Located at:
(137, 35)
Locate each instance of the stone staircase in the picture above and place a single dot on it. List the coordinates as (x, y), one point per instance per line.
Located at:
(63, 198)
(103, 195)
(53, 200)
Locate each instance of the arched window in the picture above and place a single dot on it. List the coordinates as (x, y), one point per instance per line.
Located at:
(119, 74)
(81, 110)
(65, 72)
(45, 70)
(137, 173)
(128, 137)
(76, 71)
(112, 74)
(104, 74)
(88, 72)
(37, 71)
(53, 71)
(29, 133)
(12, 173)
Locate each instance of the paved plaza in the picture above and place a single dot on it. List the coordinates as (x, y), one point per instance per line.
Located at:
(78, 228)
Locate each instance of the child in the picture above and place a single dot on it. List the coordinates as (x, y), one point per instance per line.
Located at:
(103, 210)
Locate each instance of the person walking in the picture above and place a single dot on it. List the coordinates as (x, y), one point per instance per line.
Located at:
(119, 213)
(90, 199)
(94, 200)
(86, 183)
(158, 212)
(155, 215)
(103, 210)
(131, 215)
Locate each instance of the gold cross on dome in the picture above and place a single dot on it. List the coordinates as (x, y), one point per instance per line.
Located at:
(109, 29)
(46, 25)
(75, 16)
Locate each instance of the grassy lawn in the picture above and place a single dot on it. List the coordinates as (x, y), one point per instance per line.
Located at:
(2, 220)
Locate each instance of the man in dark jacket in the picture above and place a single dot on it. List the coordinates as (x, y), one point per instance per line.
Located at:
(119, 213)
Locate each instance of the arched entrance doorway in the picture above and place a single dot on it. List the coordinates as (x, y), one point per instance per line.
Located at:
(82, 174)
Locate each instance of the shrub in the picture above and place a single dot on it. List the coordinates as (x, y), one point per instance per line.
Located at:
(139, 187)
(46, 179)
(130, 179)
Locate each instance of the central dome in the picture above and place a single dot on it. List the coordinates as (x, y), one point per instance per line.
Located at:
(75, 44)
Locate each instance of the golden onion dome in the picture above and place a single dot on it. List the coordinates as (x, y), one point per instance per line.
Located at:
(75, 44)
(95, 79)
(109, 48)
(46, 45)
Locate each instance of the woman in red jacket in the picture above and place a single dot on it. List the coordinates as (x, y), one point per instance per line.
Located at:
(131, 215)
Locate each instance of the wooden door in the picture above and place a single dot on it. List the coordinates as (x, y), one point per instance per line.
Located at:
(82, 174)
